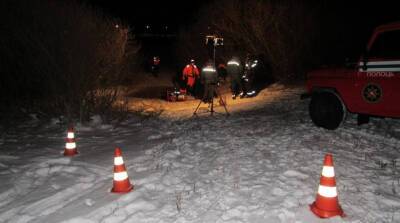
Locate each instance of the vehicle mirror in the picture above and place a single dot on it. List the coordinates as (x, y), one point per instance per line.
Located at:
(350, 62)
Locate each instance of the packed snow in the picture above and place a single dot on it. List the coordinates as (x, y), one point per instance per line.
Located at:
(261, 165)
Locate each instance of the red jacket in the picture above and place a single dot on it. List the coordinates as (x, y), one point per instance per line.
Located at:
(191, 72)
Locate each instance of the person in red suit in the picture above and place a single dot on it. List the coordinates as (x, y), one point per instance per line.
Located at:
(190, 75)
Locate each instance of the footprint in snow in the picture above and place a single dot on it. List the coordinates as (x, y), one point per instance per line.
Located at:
(154, 137)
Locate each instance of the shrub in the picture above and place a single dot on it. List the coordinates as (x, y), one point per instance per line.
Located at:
(61, 58)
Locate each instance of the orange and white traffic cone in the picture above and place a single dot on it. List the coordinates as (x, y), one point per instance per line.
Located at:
(326, 204)
(70, 145)
(121, 182)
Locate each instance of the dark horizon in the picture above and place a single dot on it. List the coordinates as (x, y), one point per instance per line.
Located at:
(173, 14)
(350, 23)
(177, 13)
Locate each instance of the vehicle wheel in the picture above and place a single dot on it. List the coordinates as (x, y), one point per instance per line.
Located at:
(327, 110)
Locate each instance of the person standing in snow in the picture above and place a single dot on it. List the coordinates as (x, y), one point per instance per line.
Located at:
(248, 77)
(209, 79)
(235, 69)
(245, 76)
(221, 70)
(155, 66)
(190, 75)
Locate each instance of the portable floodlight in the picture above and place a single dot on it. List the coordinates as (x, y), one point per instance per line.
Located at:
(219, 41)
(212, 41)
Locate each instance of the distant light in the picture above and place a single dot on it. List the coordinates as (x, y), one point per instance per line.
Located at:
(117, 26)
(166, 27)
(147, 27)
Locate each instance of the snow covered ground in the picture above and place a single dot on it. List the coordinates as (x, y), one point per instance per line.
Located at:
(262, 165)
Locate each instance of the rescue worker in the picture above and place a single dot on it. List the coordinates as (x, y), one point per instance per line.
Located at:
(155, 66)
(244, 80)
(209, 79)
(251, 88)
(221, 70)
(235, 69)
(248, 77)
(190, 75)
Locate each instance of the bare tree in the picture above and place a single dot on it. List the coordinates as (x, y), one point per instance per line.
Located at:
(62, 57)
(282, 31)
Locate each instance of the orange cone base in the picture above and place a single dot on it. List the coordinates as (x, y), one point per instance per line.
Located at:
(324, 213)
(68, 152)
(125, 190)
(122, 187)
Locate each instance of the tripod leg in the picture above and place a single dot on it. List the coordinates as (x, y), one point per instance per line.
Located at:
(195, 111)
(224, 104)
(212, 105)
(212, 99)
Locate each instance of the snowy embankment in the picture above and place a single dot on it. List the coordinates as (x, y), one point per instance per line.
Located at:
(256, 166)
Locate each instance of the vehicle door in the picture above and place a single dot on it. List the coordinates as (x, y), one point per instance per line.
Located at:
(378, 78)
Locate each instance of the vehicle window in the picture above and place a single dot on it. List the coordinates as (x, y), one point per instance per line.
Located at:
(386, 46)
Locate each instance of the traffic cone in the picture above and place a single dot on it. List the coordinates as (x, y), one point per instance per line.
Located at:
(121, 182)
(326, 204)
(70, 145)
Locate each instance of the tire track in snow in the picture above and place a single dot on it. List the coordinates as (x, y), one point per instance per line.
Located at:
(47, 175)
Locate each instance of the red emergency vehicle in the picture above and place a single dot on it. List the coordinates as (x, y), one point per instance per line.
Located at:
(369, 88)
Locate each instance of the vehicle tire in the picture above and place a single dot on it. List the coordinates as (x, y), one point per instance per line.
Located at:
(327, 110)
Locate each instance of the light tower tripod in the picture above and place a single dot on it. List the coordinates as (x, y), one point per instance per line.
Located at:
(213, 41)
(211, 104)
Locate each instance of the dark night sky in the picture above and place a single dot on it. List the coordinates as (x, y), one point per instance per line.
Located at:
(182, 12)
(347, 23)
(359, 14)
(157, 14)
(154, 12)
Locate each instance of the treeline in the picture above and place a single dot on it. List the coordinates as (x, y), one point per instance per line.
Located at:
(60, 58)
(293, 36)
(282, 32)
